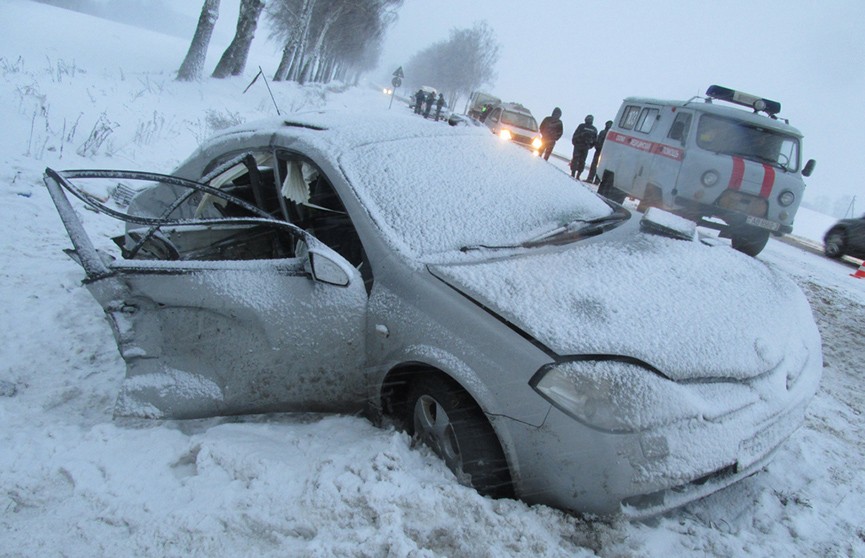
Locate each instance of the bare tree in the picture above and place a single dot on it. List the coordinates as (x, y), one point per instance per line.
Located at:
(291, 20)
(326, 38)
(233, 60)
(192, 65)
(459, 65)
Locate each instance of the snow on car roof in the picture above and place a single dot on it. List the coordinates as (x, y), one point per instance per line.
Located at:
(433, 194)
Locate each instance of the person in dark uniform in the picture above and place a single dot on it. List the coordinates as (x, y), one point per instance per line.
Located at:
(584, 138)
(430, 99)
(599, 143)
(419, 98)
(439, 104)
(551, 130)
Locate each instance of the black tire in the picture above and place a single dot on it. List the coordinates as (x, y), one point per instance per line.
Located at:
(749, 240)
(651, 198)
(609, 191)
(834, 243)
(617, 195)
(442, 415)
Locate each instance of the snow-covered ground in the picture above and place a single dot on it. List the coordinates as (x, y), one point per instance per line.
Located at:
(81, 92)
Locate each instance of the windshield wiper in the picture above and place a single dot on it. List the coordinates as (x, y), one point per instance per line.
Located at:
(760, 159)
(569, 232)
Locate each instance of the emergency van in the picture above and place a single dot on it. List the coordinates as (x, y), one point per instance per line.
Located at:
(733, 170)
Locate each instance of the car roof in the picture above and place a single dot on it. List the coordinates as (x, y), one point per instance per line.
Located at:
(516, 107)
(342, 128)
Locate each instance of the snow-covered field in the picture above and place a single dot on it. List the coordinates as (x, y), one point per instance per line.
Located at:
(80, 92)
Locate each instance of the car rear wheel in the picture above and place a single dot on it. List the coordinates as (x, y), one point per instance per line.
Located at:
(833, 245)
(749, 240)
(443, 416)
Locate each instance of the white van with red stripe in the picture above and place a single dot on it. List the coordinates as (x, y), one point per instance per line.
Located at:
(734, 170)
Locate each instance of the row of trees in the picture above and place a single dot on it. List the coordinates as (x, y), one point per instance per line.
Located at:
(323, 39)
(459, 65)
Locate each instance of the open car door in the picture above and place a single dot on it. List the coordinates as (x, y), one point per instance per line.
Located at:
(224, 316)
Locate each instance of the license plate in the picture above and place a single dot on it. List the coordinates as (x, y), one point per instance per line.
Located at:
(763, 223)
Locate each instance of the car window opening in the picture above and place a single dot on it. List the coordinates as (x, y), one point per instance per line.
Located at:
(288, 186)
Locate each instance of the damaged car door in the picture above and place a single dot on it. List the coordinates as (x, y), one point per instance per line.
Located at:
(227, 316)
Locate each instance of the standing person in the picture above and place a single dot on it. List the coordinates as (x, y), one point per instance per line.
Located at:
(599, 143)
(583, 139)
(439, 104)
(418, 101)
(430, 99)
(551, 130)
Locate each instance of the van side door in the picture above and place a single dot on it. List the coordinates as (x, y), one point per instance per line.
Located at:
(670, 136)
(621, 154)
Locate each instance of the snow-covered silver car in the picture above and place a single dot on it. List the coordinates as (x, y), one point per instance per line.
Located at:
(546, 343)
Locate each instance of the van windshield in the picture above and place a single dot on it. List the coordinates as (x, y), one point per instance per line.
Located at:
(523, 121)
(749, 141)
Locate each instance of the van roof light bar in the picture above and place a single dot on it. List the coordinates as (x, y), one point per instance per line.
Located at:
(744, 99)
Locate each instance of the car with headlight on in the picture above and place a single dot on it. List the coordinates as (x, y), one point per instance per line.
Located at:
(514, 122)
(548, 344)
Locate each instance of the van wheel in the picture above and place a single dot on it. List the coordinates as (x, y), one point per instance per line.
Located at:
(609, 191)
(749, 241)
(443, 416)
(617, 195)
(651, 198)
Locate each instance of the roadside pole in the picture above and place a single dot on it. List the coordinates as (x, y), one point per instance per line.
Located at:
(396, 82)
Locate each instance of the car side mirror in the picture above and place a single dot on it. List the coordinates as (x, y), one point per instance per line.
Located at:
(809, 167)
(324, 269)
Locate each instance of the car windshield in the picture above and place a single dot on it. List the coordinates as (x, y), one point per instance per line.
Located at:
(432, 195)
(524, 121)
(757, 143)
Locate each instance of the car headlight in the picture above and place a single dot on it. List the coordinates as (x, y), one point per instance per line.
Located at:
(709, 178)
(614, 395)
(786, 198)
(505, 134)
(537, 143)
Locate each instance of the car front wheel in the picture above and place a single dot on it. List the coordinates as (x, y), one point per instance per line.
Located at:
(833, 245)
(444, 417)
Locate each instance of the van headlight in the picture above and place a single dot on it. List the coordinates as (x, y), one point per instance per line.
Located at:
(786, 198)
(709, 178)
(614, 395)
(505, 134)
(537, 143)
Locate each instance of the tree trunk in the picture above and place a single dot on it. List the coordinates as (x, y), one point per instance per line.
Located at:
(284, 64)
(301, 39)
(233, 60)
(304, 73)
(332, 18)
(192, 65)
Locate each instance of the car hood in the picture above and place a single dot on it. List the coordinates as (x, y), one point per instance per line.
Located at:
(691, 310)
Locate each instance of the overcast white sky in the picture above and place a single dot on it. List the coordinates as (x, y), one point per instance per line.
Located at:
(585, 57)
